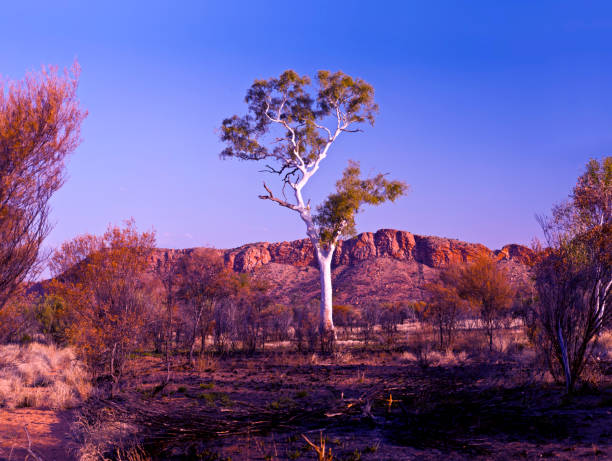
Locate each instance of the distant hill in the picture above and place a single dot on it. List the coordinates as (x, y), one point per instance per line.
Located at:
(388, 265)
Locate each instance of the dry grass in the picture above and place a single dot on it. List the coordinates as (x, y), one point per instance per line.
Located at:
(107, 433)
(206, 363)
(41, 376)
(603, 346)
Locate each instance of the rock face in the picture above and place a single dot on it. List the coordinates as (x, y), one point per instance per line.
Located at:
(388, 265)
(434, 252)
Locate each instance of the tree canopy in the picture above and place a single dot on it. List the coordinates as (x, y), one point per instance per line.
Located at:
(336, 216)
(40, 121)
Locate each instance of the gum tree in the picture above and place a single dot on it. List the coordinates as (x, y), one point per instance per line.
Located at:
(291, 124)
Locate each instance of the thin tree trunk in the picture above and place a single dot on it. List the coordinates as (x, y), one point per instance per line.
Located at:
(168, 340)
(566, 368)
(203, 331)
(194, 333)
(112, 361)
(112, 370)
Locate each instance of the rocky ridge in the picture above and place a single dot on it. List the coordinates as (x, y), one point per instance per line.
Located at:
(434, 252)
(388, 265)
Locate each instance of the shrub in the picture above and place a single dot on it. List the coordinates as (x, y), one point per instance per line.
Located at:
(306, 327)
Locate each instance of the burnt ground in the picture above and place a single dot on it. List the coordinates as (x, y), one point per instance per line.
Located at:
(373, 405)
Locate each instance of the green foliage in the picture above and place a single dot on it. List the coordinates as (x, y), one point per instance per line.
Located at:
(212, 398)
(340, 90)
(346, 315)
(336, 216)
(25, 339)
(300, 109)
(592, 196)
(50, 312)
(282, 403)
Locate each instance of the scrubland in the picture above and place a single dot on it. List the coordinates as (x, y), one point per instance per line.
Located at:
(396, 399)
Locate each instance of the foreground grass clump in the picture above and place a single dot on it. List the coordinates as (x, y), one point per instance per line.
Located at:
(41, 376)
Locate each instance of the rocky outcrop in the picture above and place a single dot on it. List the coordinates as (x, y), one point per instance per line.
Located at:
(519, 253)
(434, 252)
(388, 265)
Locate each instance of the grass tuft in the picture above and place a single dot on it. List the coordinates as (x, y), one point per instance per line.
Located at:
(41, 376)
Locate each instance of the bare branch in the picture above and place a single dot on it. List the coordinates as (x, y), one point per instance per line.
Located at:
(29, 449)
(271, 196)
(321, 127)
(271, 169)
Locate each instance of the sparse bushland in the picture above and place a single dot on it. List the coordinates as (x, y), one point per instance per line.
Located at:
(267, 397)
(443, 375)
(42, 376)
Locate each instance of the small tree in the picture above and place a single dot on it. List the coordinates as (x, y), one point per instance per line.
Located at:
(487, 288)
(444, 306)
(346, 316)
(40, 121)
(370, 317)
(294, 125)
(574, 273)
(305, 327)
(106, 294)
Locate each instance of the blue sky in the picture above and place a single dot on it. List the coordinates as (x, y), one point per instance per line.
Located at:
(488, 109)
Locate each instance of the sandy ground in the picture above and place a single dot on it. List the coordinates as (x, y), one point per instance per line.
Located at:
(49, 434)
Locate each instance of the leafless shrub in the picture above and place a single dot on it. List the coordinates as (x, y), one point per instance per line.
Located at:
(422, 345)
(305, 324)
(102, 433)
(370, 317)
(447, 358)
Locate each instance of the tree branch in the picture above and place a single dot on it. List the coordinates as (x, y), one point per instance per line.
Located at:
(271, 196)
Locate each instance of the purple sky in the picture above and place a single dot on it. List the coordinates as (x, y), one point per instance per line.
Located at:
(489, 111)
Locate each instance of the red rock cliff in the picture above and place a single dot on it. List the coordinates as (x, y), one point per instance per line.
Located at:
(400, 245)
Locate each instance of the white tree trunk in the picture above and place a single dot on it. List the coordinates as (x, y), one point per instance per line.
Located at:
(325, 259)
